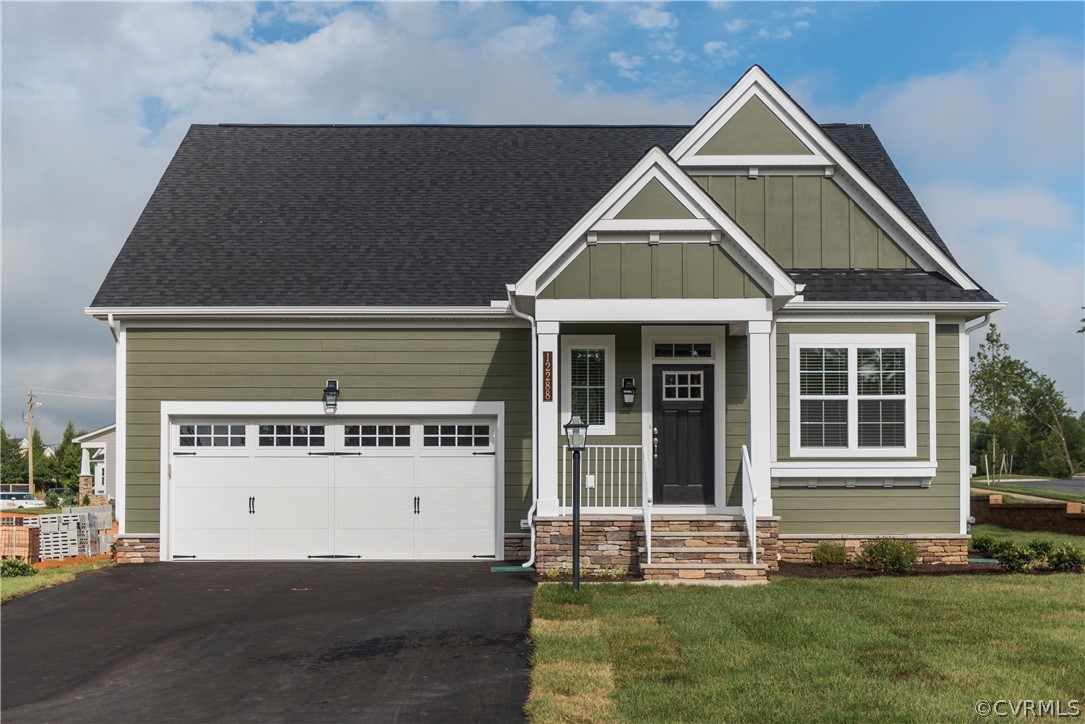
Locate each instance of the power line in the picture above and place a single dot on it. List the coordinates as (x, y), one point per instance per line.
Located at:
(81, 395)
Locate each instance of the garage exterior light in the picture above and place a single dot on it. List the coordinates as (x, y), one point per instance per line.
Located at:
(331, 395)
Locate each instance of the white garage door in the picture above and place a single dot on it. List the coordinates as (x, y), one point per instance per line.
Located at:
(310, 489)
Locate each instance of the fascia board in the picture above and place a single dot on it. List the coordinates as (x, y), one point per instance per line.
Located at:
(497, 312)
(956, 307)
(757, 82)
(95, 434)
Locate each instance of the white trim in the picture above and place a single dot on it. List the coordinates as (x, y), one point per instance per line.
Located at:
(653, 310)
(299, 323)
(852, 342)
(738, 163)
(315, 312)
(964, 384)
(547, 432)
(568, 343)
(756, 82)
(932, 390)
(715, 335)
(967, 308)
(857, 469)
(170, 410)
(654, 225)
(90, 437)
(120, 455)
(653, 174)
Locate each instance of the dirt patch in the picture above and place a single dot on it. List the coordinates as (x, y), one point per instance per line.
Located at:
(849, 570)
(72, 561)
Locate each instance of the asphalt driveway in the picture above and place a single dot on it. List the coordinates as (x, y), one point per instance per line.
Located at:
(290, 642)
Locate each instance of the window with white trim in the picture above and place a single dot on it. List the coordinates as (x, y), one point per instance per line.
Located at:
(287, 435)
(377, 435)
(588, 382)
(853, 395)
(211, 435)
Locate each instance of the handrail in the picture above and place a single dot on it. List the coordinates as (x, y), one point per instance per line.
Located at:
(610, 476)
(749, 503)
(646, 505)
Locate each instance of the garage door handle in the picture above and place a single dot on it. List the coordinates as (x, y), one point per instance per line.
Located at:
(252, 505)
(417, 504)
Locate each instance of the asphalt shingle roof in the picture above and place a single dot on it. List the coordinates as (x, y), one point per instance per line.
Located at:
(882, 285)
(392, 215)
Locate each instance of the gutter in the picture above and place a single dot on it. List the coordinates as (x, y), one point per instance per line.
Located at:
(492, 312)
(510, 290)
(113, 329)
(982, 323)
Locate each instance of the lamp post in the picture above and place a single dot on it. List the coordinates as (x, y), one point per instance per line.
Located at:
(576, 430)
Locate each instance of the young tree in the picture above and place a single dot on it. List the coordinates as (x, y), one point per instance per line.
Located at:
(45, 466)
(69, 457)
(996, 380)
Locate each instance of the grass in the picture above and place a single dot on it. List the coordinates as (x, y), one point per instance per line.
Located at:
(1036, 492)
(1024, 536)
(901, 649)
(982, 479)
(13, 587)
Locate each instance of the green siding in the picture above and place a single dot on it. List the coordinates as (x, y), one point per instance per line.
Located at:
(754, 130)
(291, 365)
(654, 201)
(885, 510)
(806, 222)
(737, 416)
(653, 271)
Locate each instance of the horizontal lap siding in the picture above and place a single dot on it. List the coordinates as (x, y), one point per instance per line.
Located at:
(883, 510)
(293, 365)
(737, 427)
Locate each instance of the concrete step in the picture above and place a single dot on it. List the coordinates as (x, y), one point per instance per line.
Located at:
(709, 555)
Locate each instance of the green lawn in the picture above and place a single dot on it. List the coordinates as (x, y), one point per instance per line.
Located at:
(898, 649)
(1029, 490)
(12, 587)
(1024, 536)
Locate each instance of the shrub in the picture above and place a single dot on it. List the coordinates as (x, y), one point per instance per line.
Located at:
(86, 499)
(889, 556)
(1041, 546)
(1012, 557)
(51, 499)
(829, 553)
(16, 566)
(609, 572)
(1066, 558)
(983, 544)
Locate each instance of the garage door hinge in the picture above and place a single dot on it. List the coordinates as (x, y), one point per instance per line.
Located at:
(335, 454)
(484, 453)
(490, 556)
(334, 555)
(176, 556)
(184, 453)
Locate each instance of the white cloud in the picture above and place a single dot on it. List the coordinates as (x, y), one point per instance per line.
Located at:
(580, 18)
(719, 49)
(536, 34)
(801, 25)
(777, 34)
(736, 25)
(652, 18)
(626, 64)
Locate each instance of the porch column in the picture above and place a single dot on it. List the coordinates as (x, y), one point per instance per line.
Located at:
(84, 465)
(548, 418)
(761, 405)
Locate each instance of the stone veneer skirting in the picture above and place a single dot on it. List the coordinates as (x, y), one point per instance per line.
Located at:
(137, 548)
(517, 546)
(615, 542)
(943, 549)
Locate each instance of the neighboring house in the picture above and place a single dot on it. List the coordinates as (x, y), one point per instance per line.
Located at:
(789, 328)
(99, 452)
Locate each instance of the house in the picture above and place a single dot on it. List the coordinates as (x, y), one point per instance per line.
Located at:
(363, 342)
(97, 467)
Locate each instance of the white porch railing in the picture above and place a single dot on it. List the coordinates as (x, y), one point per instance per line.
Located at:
(749, 503)
(611, 479)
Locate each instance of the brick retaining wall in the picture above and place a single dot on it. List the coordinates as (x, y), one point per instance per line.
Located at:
(1048, 517)
(940, 549)
(137, 548)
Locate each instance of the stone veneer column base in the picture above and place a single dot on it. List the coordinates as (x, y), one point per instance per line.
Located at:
(138, 548)
(947, 549)
(517, 546)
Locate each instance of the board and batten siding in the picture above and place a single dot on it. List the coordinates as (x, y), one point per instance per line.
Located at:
(805, 222)
(898, 510)
(653, 271)
(487, 365)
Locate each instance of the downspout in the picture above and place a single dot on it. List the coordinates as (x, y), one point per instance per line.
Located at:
(982, 323)
(113, 328)
(534, 420)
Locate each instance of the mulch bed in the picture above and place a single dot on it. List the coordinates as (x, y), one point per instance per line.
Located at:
(849, 570)
(71, 561)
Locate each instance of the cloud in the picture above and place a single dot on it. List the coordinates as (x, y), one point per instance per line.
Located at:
(652, 18)
(719, 50)
(777, 34)
(736, 25)
(536, 34)
(625, 63)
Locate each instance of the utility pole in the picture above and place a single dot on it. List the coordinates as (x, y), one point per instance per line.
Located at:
(31, 404)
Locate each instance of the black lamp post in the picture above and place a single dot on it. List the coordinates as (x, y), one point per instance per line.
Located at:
(576, 431)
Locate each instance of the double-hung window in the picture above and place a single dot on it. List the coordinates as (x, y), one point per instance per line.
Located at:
(588, 383)
(853, 395)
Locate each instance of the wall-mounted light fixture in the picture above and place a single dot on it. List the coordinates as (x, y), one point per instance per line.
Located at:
(331, 395)
(629, 390)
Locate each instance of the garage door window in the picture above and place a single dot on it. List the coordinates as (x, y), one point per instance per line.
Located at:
(377, 435)
(291, 436)
(211, 436)
(456, 435)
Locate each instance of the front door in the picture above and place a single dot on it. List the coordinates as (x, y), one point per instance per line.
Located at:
(682, 435)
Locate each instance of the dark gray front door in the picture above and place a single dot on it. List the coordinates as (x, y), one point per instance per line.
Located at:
(682, 435)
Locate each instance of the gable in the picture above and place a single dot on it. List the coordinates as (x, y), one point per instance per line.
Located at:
(753, 130)
(654, 201)
(633, 270)
(806, 222)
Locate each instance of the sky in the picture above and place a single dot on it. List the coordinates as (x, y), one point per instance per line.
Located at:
(979, 104)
